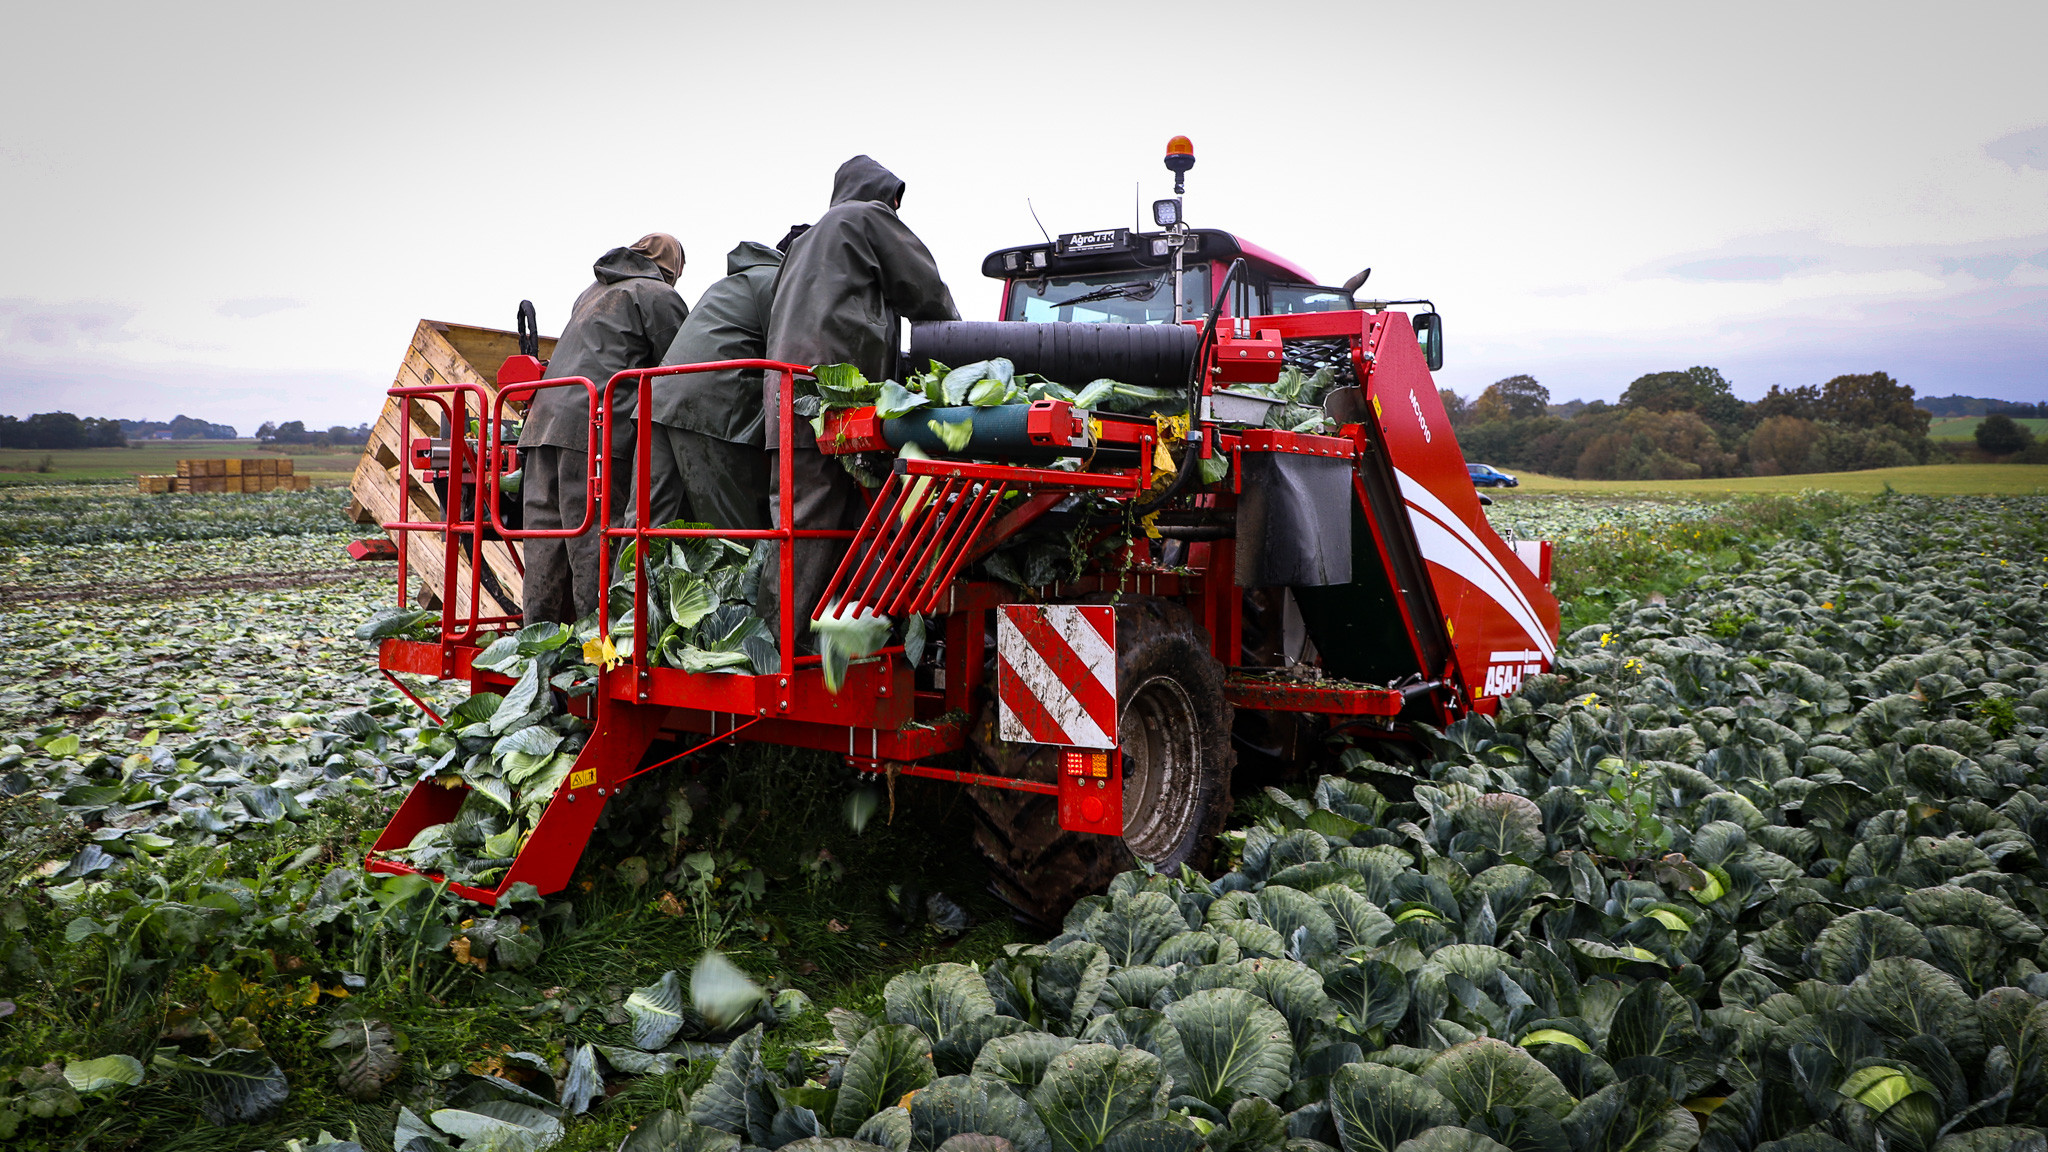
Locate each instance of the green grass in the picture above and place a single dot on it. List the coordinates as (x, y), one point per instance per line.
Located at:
(1965, 427)
(1922, 480)
(327, 466)
(1596, 568)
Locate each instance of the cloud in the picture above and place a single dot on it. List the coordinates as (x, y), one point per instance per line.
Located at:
(106, 386)
(251, 307)
(52, 326)
(1743, 268)
(1991, 340)
(1759, 259)
(2027, 148)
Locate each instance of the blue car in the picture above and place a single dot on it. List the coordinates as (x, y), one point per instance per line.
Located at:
(1487, 476)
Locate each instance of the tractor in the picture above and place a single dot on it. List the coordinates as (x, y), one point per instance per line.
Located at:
(1237, 590)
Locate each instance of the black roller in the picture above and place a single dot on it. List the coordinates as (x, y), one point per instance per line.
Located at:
(1152, 355)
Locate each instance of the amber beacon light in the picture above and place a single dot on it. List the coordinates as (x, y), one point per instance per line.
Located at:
(1180, 156)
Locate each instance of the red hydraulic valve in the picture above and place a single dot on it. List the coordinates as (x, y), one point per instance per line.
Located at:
(1250, 359)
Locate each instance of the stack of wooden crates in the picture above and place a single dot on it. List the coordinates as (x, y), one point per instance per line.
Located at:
(263, 475)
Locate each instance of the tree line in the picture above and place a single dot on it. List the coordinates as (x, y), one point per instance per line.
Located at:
(60, 430)
(1946, 406)
(296, 432)
(1683, 425)
(53, 430)
(178, 428)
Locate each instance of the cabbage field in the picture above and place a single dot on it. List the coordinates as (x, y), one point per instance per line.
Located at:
(1759, 867)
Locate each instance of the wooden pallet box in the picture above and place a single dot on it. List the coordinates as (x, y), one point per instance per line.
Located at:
(439, 354)
(284, 466)
(300, 483)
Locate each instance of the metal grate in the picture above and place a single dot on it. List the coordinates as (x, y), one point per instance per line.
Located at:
(917, 534)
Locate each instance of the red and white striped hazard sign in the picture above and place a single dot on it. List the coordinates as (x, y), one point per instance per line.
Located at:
(1056, 674)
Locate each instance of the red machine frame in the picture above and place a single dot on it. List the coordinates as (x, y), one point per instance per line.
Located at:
(1468, 601)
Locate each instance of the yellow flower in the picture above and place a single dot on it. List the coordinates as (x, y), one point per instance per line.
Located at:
(601, 653)
(1827, 605)
(1591, 696)
(1605, 637)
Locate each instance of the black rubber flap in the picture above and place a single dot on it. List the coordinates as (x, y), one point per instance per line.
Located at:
(1294, 521)
(1151, 355)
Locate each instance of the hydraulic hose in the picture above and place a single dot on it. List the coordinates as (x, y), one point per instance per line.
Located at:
(1203, 348)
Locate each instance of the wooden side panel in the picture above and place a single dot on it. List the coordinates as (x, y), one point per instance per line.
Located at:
(439, 354)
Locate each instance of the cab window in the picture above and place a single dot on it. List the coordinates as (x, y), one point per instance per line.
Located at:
(1139, 296)
(1294, 299)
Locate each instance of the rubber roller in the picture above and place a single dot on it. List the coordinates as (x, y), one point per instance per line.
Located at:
(998, 431)
(1152, 355)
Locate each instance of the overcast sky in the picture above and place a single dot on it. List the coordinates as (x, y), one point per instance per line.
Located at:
(240, 212)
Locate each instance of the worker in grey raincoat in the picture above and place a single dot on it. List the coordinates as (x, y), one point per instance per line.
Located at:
(627, 319)
(844, 286)
(707, 461)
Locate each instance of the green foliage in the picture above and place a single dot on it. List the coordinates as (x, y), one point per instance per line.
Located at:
(99, 518)
(1685, 425)
(1665, 880)
(1621, 811)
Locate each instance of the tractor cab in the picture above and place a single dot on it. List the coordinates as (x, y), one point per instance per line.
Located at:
(1117, 276)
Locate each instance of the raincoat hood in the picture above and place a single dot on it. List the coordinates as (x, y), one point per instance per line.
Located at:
(862, 179)
(655, 256)
(623, 320)
(750, 255)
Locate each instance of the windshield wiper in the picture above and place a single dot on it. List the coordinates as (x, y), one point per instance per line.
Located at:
(1139, 290)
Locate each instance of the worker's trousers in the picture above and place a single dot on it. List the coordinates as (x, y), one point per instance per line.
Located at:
(702, 479)
(824, 496)
(561, 573)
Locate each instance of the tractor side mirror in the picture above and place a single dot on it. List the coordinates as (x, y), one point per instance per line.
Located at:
(1429, 332)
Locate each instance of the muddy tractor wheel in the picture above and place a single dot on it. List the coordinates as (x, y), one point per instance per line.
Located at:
(1174, 729)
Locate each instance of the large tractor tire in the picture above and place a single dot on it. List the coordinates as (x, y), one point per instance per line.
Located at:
(1174, 729)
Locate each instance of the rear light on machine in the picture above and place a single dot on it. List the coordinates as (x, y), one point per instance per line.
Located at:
(1083, 763)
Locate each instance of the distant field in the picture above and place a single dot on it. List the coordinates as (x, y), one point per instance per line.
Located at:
(1965, 427)
(1924, 480)
(328, 467)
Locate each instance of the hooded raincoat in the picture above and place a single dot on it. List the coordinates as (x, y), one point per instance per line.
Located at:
(626, 319)
(707, 461)
(850, 278)
(730, 322)
(843, 289)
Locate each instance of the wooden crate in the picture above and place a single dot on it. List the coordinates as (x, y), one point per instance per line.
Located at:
(185, 468)
(154, 485)
(298, 483)
(438, 355)
(284, 466)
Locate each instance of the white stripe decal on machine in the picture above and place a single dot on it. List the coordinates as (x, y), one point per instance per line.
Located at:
(1448, 542)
